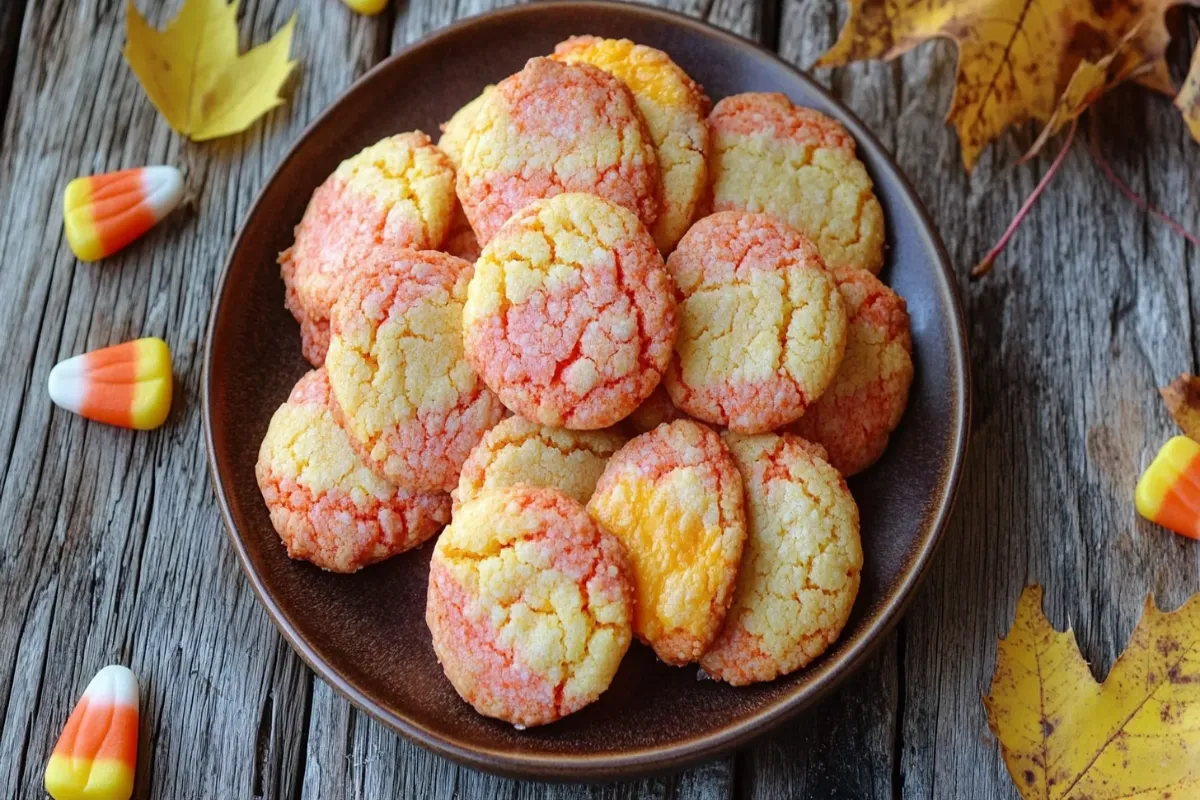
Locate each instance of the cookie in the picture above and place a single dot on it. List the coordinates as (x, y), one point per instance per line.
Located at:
(529, 605)
(798, 164)
(327, 507)
(762, 327)
(456, 129)
(674, 498)
(854, 417)
(519, 451)
(800, 572)
(412, 405)
(396, 193)
(570, 317)
(654, 411)
(555, 128)
(674, 108)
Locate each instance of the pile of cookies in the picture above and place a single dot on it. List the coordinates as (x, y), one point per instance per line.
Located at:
(624, 348)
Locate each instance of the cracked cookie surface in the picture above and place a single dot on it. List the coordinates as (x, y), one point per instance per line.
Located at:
(411, 404)
(762, 327)
(800, 165)
(529, 605)
(801, 569)
(326, 505)
(398, 192)
(674, 498)
(570, 316)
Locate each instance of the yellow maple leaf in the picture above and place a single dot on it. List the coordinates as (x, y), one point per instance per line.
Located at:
(1016, 57)
(1188, 99)
(1066, 737)
(194, 75)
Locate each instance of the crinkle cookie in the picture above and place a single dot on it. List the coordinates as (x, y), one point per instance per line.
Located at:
(570, 317)
(555, 128)
(412, 405)
(396, 193)
(762, 326)
(327, 507)
(674, 498)
(529, 605)
(798, 164)
(674, 108)
(801, 569)
(857, 413)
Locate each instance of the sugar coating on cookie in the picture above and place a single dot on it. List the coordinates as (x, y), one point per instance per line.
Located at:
(529, 605)
(654, 411)
(801, 569)
(570, 317)
(398, 192)
(456, 129)
(865, 402)
(674, 498)
(674, 108)
(798, 164)
(520, 451)
(762, 327)
(412, 405)
(555, 128)
(326, 505)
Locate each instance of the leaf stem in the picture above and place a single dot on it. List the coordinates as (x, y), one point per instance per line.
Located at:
(985, 266)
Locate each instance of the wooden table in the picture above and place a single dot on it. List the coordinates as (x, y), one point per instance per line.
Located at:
(113, 549)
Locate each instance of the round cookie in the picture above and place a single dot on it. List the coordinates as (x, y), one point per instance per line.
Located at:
(529, 605)
(674, 498)
(800, 572)
(456, 129)
(412, 405)
(396, 193)
(674, 108)
(327, 507)
(570, 317)
(519, 451)
(854, 417)
(555, 128)
(798, 164)
(762, 327)
(654, 411)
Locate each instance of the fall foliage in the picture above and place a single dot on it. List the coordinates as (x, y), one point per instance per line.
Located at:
(1182, 398)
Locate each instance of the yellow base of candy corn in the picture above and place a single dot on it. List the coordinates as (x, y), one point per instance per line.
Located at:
(367, 7)
(85, 779)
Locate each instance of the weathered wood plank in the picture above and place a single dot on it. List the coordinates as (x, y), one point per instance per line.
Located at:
(112, 548)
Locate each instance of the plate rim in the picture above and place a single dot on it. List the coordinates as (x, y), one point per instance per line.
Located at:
(644, 761)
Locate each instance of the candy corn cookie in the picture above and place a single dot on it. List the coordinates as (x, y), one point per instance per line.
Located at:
(456, 129)
(96, 755)
(398, 192)
(519, 451)
(412, 405)
(801, 569)
(762, 326)
(529, 605)
(854, 417)
(325, 504)
(570, 317)
(674, 108)
(555, 128)
(798, 164)
(105, 213)
(128, 385)
(674, 498)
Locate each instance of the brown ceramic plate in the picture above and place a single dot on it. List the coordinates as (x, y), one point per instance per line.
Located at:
(365, 634)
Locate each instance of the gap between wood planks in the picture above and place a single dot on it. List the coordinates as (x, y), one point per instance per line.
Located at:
(12, 15)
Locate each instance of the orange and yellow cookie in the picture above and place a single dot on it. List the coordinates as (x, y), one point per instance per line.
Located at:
(674, 498)
(798, 164)
(396, 193)
(519, 451)
(674, 108)
(654, 411)
(762, 326)
(801, 569)
(326, 505)
(570, 317)
(555, 128)
(412, 405)
(456, 129)
(529, 605)
(854, 417)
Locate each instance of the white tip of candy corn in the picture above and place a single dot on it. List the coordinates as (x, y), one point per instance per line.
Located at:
(68, 383)
(163, 188)
(114, 684)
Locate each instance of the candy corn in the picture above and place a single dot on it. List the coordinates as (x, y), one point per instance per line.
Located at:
(103, 213)
(128, 384)
(97, 752)
(1169, 491)
(366, 7)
